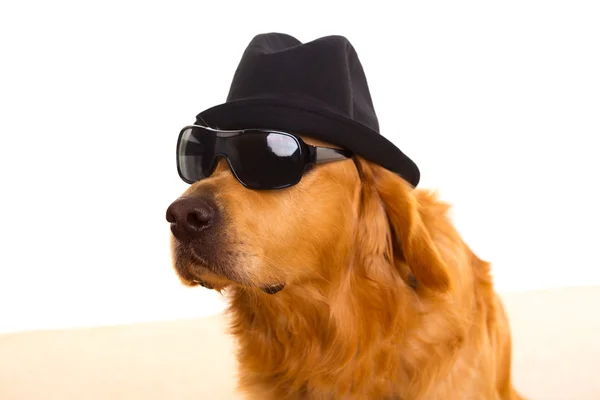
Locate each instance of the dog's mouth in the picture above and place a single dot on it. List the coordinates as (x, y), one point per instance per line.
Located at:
(272, 289)
(201, 282)
(269, 289)
(196, 270)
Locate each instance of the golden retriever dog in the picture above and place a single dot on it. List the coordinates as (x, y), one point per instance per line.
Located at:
(351, 284)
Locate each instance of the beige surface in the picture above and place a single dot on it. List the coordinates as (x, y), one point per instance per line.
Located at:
(556, 335)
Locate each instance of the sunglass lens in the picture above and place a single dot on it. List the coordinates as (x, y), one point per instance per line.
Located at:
(195, 154)
(266, 160)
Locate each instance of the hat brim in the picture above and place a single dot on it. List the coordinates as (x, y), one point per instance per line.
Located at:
(304, 118)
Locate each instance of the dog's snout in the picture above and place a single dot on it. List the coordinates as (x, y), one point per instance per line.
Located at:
(191, 216)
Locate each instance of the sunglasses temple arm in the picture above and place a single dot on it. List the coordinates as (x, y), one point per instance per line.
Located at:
(328, 154)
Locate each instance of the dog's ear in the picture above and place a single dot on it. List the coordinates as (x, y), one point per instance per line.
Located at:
(410, 234)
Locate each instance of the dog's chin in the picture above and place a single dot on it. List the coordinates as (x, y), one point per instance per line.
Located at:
(200, 273)
(219, 283)
(212, 283)
(197, 273)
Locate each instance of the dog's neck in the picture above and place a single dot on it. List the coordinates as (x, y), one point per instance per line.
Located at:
(307, 334)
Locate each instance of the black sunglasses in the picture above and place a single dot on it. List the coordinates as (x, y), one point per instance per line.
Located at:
(258, 158)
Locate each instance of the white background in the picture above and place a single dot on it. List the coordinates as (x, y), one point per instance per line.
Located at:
(498, 103)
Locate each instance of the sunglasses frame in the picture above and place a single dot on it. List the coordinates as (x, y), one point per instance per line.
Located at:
(310, 155)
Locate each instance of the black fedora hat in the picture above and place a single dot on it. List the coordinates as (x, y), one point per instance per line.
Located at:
(317, 89)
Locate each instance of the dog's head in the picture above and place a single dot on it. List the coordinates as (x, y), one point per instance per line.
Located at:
(339, 214)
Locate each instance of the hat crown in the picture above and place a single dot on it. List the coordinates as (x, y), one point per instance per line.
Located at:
(317, 89)
(325, 71)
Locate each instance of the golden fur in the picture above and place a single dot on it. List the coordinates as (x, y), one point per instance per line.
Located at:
(382, 298)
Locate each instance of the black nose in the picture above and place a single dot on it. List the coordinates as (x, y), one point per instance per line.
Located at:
(190, 217)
